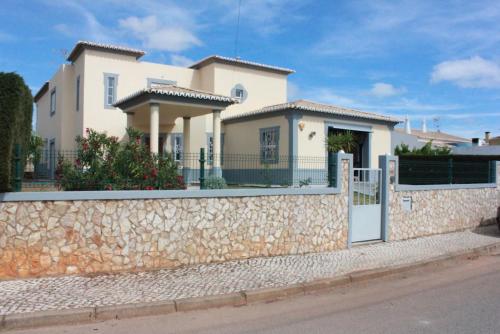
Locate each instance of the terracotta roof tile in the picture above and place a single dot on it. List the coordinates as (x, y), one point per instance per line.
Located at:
(82, 45)
(238, 62)
(310, 106)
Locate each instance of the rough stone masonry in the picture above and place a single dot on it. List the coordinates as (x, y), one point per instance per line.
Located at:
(77, 237)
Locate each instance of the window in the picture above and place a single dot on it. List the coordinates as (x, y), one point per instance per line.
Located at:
(269, 145)
(53, 102)
(110, 83)
(177, 146)
(159, 83)
(239, 92)
(210, 146)
(77, 93)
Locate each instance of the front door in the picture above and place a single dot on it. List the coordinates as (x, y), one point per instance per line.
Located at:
(366, 208)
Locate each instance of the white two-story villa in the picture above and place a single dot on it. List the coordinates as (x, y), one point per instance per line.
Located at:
(221, 104)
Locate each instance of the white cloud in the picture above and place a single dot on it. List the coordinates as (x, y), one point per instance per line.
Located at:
(474, 72)
(179, 60)
(375, 28)
(382, 89)
(155, 35)
(83, 26)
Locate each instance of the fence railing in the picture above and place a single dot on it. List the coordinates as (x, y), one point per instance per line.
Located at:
(238, 170)
(445, 170)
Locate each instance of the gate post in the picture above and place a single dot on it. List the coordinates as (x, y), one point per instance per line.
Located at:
(384, 164)
(332, 169)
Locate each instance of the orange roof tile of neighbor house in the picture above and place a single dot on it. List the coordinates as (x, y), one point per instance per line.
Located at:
(310, 106)
(82, 45)
(238, 62)
(172, 90)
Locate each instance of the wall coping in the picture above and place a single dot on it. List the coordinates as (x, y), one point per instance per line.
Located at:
(169, 194)
(412, 187)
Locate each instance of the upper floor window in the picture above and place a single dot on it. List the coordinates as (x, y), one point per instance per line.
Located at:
(269, 144)
(110, 84)
(77, 93)
(158, 83)
(53, 102)
(239, 92)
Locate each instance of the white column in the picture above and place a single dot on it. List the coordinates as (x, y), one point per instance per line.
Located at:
(216, 143)
(186, 149)
(154, 127)
(186, 134)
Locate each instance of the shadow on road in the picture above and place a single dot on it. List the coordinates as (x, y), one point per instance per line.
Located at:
(490, 230)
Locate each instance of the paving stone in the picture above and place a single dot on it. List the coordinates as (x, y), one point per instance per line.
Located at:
(69, 292)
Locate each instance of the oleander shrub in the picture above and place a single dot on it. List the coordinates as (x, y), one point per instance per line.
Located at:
(103, 163)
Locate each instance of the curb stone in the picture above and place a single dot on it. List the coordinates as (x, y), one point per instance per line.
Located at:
(47, 318)
(134, 310)
(202, 303)
(272, 294)
(101, 313)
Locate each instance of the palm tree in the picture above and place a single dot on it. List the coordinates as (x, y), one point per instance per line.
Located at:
(344, 141)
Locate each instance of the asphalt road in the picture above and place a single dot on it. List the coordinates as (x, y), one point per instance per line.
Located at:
(456, 297)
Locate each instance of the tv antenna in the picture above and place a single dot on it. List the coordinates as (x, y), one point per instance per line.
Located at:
(237, 32)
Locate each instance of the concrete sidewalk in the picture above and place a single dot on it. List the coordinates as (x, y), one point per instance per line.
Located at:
(66, 295)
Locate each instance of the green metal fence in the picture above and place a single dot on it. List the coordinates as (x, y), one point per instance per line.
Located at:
(238, 170)
(419, 170)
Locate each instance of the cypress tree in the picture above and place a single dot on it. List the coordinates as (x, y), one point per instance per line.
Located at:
(16, 108)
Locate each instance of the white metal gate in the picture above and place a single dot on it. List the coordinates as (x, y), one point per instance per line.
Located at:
(366, 208)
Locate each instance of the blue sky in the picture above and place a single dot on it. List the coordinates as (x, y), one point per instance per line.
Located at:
(434, 59)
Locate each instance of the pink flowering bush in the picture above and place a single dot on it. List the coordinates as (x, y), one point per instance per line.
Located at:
(102, 163)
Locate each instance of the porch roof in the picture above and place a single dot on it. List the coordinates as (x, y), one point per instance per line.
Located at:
(309, 106)
(174, 94)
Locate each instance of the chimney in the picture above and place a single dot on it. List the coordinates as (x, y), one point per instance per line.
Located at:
(407, 125)
(487, 137)
(424, 125)
(475, 141)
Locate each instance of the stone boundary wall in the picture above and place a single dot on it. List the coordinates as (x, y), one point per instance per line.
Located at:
(435, 210)
(43, 238)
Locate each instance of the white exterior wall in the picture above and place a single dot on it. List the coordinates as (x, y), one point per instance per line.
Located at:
(50, 127)
(264, 88)
(244, 137)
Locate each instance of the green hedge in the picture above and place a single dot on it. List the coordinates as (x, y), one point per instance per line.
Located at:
(16, 112)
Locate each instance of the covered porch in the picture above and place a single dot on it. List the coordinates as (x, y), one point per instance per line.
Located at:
(157, 109)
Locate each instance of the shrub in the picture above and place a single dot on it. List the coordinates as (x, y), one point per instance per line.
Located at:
(426, 150)
(215, 182)
(345, 141)
(104, 164)
(16, 108)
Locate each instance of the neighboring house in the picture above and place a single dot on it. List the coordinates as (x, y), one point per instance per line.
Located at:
(223, 104)
(415, 138)
(488, 140)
